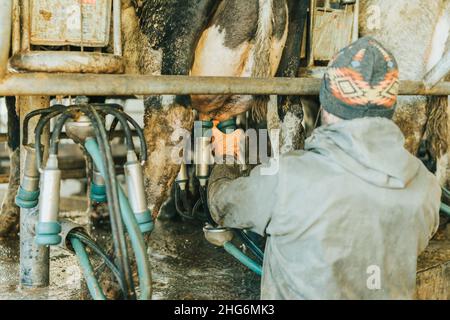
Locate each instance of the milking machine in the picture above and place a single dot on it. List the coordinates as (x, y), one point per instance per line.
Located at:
(216, 235)
(129, 216)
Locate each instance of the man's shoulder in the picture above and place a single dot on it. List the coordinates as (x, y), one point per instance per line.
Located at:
(302, 161)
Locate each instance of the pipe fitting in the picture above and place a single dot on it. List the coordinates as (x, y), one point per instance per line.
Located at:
(98, 187)
(136, 192)
(28, 193)
(80, 129)
(67, 227)
(48, 227)
(227, 126)
(217, 236)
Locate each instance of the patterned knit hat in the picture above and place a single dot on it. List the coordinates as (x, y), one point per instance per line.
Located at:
(361, 81)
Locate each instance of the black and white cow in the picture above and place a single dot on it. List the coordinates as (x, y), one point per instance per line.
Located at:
(254, 38)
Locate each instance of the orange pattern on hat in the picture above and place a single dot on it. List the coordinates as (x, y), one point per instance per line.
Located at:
(349, 86)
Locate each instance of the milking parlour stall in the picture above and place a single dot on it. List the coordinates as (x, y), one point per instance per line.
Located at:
(194, 150)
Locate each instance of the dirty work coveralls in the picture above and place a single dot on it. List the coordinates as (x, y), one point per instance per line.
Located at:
(345, 219)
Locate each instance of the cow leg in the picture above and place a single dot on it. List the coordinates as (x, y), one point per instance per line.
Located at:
(411, 117)
(174, 27)
(164, 129)
(286, 114)
(9, 216)
(422, 118)
(436, 134)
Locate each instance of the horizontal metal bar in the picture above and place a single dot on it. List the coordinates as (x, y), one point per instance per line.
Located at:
(67, 61)
(30, 84)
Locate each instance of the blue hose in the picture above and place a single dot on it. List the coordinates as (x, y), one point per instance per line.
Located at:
(136, 238)
(239, 255)
(92, 283)
(445, 209)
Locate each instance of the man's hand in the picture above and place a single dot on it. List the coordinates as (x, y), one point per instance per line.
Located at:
(229, 145)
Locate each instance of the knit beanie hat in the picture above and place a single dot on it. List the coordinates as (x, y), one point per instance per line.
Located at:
(361, 81)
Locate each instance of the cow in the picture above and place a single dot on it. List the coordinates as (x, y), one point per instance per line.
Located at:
(257, 38)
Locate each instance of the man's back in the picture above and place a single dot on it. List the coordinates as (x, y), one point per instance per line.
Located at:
(363, 210)
(347, 217)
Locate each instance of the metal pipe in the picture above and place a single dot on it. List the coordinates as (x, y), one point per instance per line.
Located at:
(67, 61)
(123, 85)
(26, 25)
(34, 259)
(5, 34)
(117, 27)
(312, 11)
(438, 72)
(16, 27)
(355, 32)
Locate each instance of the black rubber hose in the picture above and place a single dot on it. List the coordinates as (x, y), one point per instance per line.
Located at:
(111, 105)
(123, 121)
(35, 113)
(112, 194)
(257, 252)
(89, 242)
(40, 126)
(195, 208)
(112, 128)
(141, 135)
(116, 229)
(54, 140)
(139, 131)
(203, 197)
(187, 212)
(43, 121)
(116, 222)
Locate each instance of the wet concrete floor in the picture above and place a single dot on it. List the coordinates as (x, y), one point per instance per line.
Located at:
(184, 266)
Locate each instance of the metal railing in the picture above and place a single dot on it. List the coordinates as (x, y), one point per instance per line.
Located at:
(123, 85)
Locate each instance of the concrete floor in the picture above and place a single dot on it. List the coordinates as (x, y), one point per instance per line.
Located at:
(184, 266)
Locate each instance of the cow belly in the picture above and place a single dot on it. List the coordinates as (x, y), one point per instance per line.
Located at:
(213, 58)
(218, 55)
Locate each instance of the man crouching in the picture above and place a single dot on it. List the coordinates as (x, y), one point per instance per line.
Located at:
(347, 217)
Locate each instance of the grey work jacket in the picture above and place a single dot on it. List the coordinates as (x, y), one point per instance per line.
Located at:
(345, 219)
